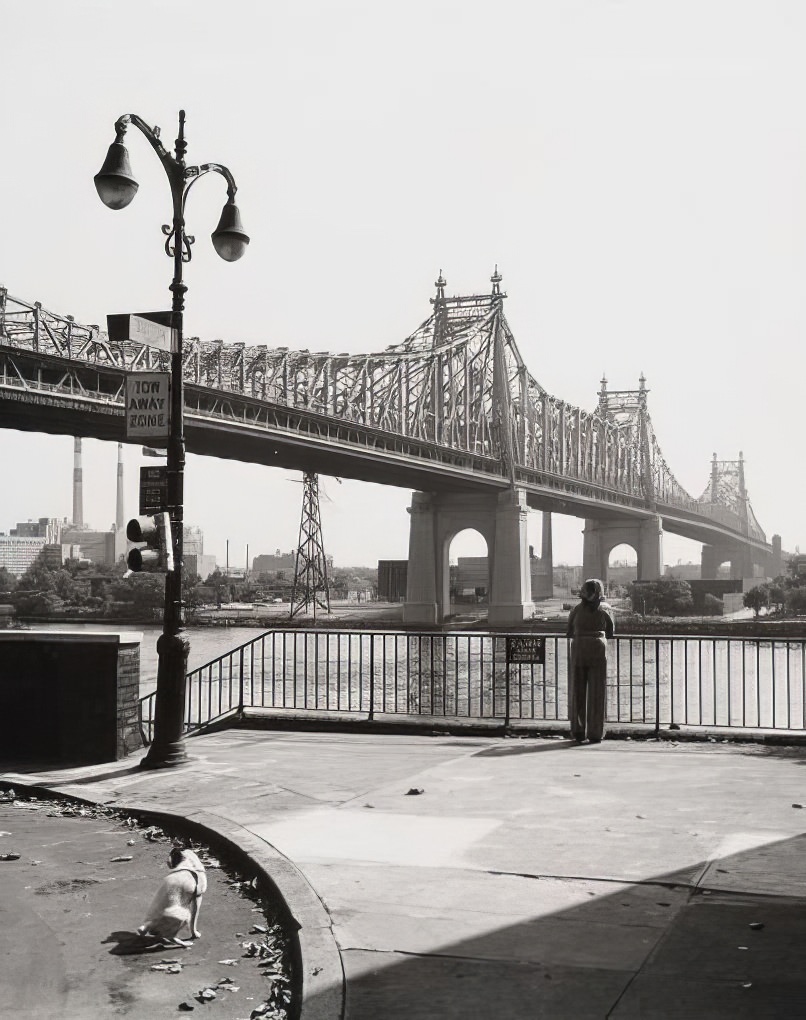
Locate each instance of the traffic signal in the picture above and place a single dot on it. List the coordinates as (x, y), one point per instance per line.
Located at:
(155, 534)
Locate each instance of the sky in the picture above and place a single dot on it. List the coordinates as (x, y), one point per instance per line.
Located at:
(635, 168)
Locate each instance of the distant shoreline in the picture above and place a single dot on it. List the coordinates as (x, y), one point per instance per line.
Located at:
(389, 616)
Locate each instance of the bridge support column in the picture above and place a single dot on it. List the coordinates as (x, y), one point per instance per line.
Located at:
(542, 569)
(421, 585)
(511, 591)
(743, 564)
(435, 519)
(602, 537)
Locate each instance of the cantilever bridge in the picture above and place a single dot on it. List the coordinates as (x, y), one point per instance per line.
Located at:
(452, 411)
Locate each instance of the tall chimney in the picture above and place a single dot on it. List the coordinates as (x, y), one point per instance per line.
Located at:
(120, 518)
(78, 486)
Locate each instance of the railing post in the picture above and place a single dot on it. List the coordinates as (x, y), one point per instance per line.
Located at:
(371, 677)
(240, 693)
(657, 687)
(506, 696)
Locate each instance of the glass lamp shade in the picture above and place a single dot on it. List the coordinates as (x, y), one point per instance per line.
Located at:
(229, 239)
(114, 182)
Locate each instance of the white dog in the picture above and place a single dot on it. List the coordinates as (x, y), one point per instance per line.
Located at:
(178, 900)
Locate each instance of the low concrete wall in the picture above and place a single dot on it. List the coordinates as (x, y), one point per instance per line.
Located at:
(69, 697)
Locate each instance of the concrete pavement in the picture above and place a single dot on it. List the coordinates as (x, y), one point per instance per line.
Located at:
(529, 878)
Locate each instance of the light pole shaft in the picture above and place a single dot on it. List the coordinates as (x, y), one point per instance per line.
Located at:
(168, 746)
(116, 188)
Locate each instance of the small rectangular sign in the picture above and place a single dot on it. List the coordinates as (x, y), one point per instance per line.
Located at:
(148, 405)
(526, 649)
(153, 490)
(150, 328)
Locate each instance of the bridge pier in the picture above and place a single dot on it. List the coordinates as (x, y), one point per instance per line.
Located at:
(743, 562)
(602, 536)
(436, 518)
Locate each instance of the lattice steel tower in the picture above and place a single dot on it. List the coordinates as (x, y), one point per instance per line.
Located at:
(310, 574)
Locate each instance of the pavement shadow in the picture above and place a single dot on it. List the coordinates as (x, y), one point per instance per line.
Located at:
(129, 943)
(782, 752)
(524, 747)
(722, 938)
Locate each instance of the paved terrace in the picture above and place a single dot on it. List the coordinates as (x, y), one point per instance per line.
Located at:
(529, 878)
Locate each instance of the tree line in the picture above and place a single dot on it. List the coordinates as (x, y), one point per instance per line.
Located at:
(78, 588)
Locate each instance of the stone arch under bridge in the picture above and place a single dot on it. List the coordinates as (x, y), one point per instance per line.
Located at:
(436, 518)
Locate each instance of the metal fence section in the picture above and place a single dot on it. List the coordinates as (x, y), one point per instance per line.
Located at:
(653, 681)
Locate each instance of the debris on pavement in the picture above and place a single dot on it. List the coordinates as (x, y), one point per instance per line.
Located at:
(756, 925)
(265, 984)
(414, 791)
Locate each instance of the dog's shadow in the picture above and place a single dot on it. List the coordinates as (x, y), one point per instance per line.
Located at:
(129, 943)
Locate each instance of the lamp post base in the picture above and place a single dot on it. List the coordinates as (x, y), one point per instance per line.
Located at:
(168, 747)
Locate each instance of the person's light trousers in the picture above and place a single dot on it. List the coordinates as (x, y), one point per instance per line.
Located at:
(587, 687)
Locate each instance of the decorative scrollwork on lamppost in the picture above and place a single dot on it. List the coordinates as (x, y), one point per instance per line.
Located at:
(116, 187)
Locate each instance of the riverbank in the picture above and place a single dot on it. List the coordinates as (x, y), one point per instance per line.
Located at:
(389, 615)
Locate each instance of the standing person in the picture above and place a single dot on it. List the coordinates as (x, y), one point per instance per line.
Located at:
(590, 625)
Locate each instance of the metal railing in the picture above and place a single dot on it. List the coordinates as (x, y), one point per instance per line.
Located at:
(653, 681)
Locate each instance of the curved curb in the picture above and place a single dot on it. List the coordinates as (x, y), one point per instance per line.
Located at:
(319, 963)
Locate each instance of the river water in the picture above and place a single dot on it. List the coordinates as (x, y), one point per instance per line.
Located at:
(206, 643)
(696, 681)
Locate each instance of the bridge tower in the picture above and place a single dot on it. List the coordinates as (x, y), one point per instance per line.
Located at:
(726, 489)
(602, 535)
(310, 575)
(436, 518)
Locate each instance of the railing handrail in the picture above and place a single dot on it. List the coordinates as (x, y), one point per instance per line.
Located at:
(558, 633)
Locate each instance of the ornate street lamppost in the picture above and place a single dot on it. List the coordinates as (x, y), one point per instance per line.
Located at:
(117, 187)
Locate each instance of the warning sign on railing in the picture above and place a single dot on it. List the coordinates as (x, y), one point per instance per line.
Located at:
(526, 649)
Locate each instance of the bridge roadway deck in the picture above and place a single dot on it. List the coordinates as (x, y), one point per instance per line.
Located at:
(371, 458)
(529, 878)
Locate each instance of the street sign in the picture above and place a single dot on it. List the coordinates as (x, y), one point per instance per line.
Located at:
(526, 649)
(150, 328)
(147, 405)
(153, 490)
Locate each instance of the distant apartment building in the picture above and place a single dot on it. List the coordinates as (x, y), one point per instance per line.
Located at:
(192, 540)
(199, 563)
(100, 547)
(193, 557)
(17, 553)
(392, 580)
(49, 528)
(267, 564)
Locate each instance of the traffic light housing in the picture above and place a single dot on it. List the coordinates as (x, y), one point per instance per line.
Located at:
(155, 534)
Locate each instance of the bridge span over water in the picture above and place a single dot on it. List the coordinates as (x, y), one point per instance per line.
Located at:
(452, 412)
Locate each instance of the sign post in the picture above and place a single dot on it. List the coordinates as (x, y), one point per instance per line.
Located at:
(522, 649)
(153, 329)
(153, 490)
(148, 405)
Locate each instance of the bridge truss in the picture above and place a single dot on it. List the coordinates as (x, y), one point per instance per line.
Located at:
(455, 393)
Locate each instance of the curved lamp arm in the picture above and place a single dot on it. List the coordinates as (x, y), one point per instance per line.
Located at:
(117, 187)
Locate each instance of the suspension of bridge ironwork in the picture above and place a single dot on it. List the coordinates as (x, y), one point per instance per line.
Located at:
(116, 187)
(503, 410)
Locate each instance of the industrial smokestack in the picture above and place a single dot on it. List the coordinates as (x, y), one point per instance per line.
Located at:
(120, 518)
(78, 486)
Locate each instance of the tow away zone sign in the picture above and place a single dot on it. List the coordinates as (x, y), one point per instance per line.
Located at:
(148, 405)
